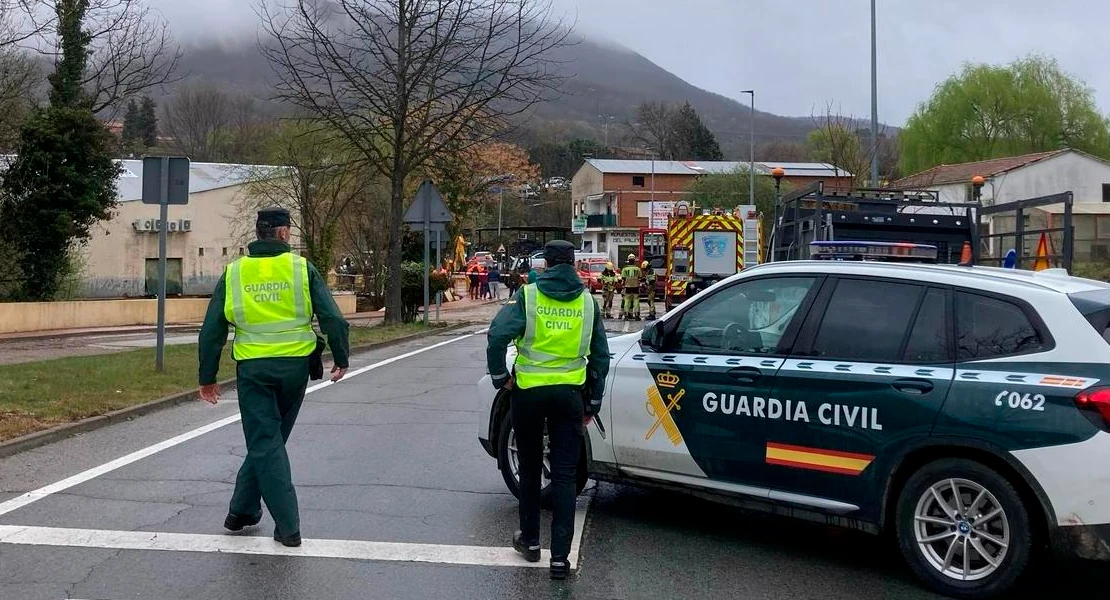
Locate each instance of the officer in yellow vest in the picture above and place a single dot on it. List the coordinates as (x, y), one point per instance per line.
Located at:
(559, 377)
(608, 289)
(269, 297)
(649, 283)
(631, 274)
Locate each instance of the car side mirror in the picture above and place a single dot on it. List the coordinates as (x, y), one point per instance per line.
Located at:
(651, 338)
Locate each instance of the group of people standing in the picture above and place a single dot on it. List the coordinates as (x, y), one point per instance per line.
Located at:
(631, 280)
(485, 283)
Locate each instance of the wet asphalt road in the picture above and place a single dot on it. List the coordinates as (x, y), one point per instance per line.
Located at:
(391, 456)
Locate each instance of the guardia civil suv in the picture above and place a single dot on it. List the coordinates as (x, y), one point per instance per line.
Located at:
(964, 409)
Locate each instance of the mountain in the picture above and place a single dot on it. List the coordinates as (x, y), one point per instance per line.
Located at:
(603, 79)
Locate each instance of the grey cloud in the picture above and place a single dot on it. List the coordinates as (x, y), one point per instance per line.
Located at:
(801, 54)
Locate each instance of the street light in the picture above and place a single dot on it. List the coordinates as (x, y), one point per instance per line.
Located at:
(874, 104)
(751, 150)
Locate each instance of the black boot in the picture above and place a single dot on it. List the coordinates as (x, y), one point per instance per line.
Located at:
(291, 541)
(530, 553)
(235, 522)
(560, 568)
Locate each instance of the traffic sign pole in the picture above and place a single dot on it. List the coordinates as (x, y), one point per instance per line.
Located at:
(163, 215)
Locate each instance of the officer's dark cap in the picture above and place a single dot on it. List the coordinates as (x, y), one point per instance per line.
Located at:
(559, 252)
(273, 217)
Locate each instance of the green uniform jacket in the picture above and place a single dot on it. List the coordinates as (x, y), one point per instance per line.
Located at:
(213, 334)
(559, 282)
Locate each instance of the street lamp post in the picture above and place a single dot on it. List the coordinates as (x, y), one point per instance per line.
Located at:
(874, 104)
(751, 150)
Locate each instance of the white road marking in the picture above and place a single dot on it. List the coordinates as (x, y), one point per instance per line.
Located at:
(36, 495)
(580, 510)
(312, 548)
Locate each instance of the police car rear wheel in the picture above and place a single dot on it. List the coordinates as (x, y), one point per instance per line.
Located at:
(509, 459)
(963, 528)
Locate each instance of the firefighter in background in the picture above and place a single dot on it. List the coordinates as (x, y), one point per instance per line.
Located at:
(609, 280)
(631, 274)
(649, 281)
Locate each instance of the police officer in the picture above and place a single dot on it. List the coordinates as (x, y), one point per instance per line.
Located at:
(649, 281)
(608, 288)
(269, 297)
(631, 275)
(559, 376)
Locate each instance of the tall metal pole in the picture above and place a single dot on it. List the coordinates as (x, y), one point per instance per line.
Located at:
(500, 201)
(751, 150)
(651, 211)
(427, 258)
(163, 215)
(874, 104)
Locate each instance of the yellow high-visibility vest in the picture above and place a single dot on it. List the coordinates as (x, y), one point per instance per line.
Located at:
(556, 340)
(269, 303)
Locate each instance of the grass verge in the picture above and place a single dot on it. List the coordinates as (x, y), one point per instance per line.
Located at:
(39, 395)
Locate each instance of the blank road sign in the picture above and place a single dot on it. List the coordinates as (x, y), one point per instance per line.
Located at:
(178, 184)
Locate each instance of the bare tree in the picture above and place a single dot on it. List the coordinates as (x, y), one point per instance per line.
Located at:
(132, 49)
(320, 178)
(837, 139)
(195, 118)
(401, 80)
(653, 128)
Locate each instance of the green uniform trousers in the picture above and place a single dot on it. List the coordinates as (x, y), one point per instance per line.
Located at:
(651, 298)
(607, 296)
(631, 306)
(270, 392)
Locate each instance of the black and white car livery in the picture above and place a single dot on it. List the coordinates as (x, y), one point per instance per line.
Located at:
(965, 409)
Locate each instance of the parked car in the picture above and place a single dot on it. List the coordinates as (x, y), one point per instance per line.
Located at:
(964, 410)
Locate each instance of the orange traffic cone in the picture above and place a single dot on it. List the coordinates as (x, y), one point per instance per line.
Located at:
(965, 255)
(1041, 263)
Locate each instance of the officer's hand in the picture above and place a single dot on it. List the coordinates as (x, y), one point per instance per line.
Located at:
(210, 393)
(337, 373)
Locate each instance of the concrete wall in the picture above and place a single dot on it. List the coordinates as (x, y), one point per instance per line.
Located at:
(19, 317)
(114, 260)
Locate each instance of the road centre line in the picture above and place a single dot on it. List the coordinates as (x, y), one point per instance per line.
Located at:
(58, 486)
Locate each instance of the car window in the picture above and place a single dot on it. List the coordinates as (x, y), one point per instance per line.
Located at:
(746, 318)
(867, 320)
(987, 327)
(929, 338)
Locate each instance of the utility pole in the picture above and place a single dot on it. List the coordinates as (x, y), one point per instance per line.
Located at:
(751, 150)
(874, 104)
(651, 210)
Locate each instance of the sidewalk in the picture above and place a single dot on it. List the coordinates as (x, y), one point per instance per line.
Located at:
(363, 319)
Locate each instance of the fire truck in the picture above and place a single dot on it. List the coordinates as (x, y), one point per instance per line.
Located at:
(705, 247)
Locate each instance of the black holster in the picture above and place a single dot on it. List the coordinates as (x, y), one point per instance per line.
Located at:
(316, 360)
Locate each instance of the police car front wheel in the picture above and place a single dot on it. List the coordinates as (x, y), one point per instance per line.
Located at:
(963, 528)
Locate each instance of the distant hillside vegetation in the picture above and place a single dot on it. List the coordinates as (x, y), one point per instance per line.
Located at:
(607, 79)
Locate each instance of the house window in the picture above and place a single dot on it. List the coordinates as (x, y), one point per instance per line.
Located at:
(643, 210)
(200, 251)
(225, 250)
(1106, 192)
(240, 251)
(638, 181)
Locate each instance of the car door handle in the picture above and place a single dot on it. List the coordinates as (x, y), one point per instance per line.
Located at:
(913, 386)
(745, 374)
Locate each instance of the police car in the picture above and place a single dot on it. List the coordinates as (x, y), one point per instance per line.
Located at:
(966, 410)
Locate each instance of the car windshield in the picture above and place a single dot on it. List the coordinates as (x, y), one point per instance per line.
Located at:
(597, 267)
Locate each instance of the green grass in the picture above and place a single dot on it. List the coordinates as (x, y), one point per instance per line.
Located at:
(39, 395)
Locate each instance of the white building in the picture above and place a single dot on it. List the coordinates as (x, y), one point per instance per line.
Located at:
(1015, 178)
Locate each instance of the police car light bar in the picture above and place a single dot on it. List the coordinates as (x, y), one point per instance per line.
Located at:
(855, 250)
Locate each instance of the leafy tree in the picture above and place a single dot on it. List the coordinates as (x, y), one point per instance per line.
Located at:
(988, 111)
(63, 179)
(673, 133)
(729, 190)
(148, 120)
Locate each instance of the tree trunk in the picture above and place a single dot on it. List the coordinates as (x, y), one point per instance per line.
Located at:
(393, 308)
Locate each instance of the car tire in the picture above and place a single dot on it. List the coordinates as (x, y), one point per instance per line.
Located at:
(935, 542)
(504, 459)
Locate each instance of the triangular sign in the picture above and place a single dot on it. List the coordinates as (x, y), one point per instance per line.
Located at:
(1041, 263)
(501, 249)
(428, 199)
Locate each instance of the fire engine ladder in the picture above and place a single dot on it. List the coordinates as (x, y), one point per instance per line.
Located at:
(752, 245)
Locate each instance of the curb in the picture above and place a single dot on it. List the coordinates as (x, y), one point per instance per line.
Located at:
(56, 434)
(47, 335)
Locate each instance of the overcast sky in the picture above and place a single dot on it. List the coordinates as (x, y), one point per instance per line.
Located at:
(801, 57)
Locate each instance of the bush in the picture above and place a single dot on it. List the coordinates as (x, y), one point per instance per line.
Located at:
(412, 288)
(1092, 270)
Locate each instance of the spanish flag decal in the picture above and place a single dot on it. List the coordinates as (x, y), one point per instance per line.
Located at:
(830, 461)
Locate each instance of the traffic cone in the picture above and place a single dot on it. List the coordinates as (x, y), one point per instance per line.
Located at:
(1041, 263)
(965, 255)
